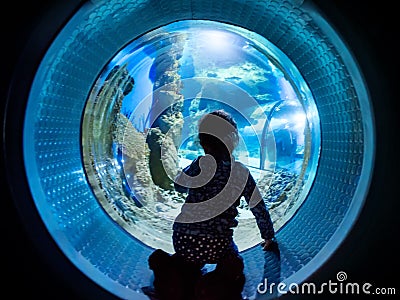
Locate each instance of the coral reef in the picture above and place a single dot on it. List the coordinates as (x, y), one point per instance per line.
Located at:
(167, 118)
(101, 130)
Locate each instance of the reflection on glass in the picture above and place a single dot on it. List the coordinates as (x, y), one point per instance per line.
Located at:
(140, 124)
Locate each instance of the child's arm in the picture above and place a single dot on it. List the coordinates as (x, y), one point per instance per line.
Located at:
(253, 197)
(180, 188)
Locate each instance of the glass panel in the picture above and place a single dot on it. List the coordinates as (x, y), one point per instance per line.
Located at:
(140, 125)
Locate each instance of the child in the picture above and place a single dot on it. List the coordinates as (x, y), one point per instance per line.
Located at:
(214, 183)
(203, 230)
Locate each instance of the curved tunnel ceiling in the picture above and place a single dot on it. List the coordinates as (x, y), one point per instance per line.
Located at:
(73, 63)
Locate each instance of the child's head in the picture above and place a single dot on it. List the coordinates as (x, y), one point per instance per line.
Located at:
(218, 133)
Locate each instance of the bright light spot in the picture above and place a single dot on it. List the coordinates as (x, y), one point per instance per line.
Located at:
(217, 40)
(293, 102)
(299, 118)
(217, 44)
(278, 123)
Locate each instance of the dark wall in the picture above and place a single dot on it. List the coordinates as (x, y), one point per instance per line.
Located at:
(32, 264)
(370, 253)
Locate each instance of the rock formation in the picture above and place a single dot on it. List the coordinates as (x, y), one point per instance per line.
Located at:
(164, 136)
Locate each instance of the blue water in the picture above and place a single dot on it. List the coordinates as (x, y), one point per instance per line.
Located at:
(253, 84)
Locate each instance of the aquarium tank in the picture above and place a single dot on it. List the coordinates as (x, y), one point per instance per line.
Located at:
(139, 125)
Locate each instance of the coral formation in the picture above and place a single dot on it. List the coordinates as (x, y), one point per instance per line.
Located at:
(167, 118)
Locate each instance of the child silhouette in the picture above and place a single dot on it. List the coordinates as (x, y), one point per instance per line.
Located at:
(203, 230)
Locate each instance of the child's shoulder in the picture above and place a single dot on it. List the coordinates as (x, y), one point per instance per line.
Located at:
(195, 164)
(239, 164)
(240, 167)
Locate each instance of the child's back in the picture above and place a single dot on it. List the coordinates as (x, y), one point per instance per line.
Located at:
(203, 231)
(215, 183)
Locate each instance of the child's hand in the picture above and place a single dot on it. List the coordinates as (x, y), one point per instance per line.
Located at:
(267, 244)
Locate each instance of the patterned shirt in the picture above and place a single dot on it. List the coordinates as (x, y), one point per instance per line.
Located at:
(214, 190)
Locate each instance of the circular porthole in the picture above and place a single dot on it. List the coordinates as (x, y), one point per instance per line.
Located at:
(139, 125)
(120, 72)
